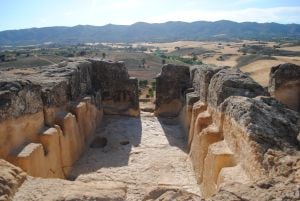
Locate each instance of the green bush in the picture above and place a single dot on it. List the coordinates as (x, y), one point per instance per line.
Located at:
(143, 83)
(150, 92)
(153, 84)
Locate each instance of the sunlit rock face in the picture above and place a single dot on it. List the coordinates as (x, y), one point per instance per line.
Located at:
(284, 84)
(234, 128)
(11, 179)
(242, 143)
(48, 114)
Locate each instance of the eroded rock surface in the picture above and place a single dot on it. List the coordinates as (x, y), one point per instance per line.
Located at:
(201, 76)
(15, 97)
(267, 122)
(11, 178)
(243, 145)
(284, 84)
(171, 85)
(62, 190)
(48, 114)
(168, 194)
(233, 131)
(231, 82)
(119, 91)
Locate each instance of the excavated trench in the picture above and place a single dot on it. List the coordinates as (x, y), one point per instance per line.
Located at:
(142, 153)
(211, 128)
(139, 153)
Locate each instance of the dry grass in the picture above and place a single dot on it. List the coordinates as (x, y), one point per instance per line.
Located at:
(293, 48)
(259, 70)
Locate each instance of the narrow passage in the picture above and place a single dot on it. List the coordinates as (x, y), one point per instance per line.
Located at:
(143, 153)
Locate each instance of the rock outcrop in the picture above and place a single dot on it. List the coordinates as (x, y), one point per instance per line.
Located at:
(243, 144)
(231, 82)
(63, 190)
(201, 76)
(168, 194)
(234, 129)
(119, 92)
(171, 85)
(284, 84)
(48, 114)
(11, 178)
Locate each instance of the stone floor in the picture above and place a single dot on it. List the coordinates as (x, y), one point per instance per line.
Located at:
(156, 155)
(138, 153)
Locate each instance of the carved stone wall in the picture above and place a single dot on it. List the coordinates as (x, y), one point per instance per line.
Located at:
(171, 85)
(232, 127)
(284, 84)
(48, 114)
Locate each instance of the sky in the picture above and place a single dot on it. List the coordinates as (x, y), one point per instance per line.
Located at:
(19, 14)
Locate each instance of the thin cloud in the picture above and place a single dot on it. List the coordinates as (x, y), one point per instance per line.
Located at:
(68, 13)
(276, 14)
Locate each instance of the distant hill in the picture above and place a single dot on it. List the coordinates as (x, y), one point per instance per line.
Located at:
(157, 32)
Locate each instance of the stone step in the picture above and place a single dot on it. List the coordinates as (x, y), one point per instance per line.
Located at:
(198, 107)
(218, 157)
(50, 139)
(203, 120)
(71, 142)
(31, 158)
(199, 148)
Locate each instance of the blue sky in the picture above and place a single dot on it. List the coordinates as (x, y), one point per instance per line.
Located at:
(17, 14)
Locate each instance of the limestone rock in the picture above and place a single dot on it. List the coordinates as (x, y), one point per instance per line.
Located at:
(283, 73)
(201, 76)
(267, 122)
(64, 83)
(11, 177)
(271, 189)
(283, 183)
(19, 97)
(170, 194)
(119, 91)
(33, 98)
(61, 190)
(232, 82)
(171, 85)
(284, 84)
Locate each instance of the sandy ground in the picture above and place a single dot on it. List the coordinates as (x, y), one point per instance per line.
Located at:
(155, 156)
(231, 61)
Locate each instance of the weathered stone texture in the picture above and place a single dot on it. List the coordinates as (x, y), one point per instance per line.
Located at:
(63, 190)
(232, 82)
(64, 99)
(284, 84)
(19, 97)
(171, 85)
(234, 128)
(201, 77)
(11, 178)
(168, 194)
(265, 120)
(119, 91)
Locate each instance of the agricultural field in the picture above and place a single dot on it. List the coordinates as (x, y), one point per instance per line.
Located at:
(144, 60)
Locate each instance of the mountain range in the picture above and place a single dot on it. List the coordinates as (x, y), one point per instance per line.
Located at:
(156, 32)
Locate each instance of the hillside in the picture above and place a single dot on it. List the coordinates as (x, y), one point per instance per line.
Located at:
(158, 32)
